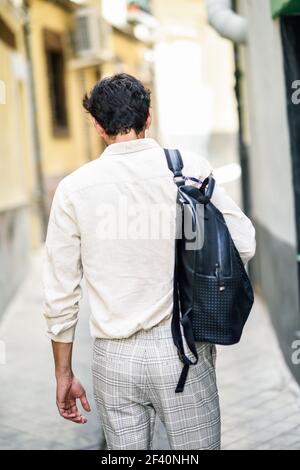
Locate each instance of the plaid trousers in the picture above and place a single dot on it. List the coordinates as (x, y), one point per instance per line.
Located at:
(136, 377)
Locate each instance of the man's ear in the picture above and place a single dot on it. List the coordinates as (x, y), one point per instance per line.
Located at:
(148, 121)
(99, 128)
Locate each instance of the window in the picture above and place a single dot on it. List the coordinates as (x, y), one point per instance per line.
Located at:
(7, 35)
(56, 74)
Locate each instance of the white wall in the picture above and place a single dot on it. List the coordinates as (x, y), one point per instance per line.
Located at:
(194, 74)
(270, 160)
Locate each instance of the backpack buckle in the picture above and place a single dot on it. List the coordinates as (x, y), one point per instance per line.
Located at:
(179, 179)
(180, 356)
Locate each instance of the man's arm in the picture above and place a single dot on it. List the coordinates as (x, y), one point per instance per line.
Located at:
(240, 226)
(69, 388)
(62, 275)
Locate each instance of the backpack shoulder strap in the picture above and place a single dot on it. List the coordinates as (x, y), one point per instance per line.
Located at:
(175, 165)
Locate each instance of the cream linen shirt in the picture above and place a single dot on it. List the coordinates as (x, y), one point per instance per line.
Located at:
(98, 229)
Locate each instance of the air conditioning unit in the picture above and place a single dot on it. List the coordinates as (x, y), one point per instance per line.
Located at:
(92, 34)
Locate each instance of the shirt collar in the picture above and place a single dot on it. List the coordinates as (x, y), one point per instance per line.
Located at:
(130, 146)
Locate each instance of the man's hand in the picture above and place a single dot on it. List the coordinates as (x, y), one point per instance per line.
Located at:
(69, 389)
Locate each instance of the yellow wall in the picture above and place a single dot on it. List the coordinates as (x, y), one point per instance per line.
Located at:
(129, 51)
(60, 155)
(17, 168)
(16, 178)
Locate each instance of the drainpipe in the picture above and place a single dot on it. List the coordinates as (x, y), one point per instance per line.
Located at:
(226, 22)
(243, 149)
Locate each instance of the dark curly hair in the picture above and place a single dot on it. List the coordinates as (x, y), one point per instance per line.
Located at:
(119, 104)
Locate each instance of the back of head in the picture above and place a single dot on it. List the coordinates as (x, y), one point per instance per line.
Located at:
(119, 104)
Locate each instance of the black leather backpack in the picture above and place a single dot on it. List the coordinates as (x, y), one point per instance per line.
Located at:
(213, 295)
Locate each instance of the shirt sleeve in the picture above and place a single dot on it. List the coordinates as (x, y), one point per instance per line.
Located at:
(62, 270)
(240, 226)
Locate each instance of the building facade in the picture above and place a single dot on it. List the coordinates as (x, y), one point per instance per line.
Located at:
(19, 222)
(269, 66)
(61, 78)
(51, 53)
(194, 71)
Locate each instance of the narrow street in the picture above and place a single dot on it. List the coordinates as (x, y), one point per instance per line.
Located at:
(260, 401)
(216, 93)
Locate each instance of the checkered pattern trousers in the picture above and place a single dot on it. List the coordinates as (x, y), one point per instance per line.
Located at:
(136, 377)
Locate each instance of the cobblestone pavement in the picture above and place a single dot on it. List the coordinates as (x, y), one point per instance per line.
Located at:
(260, 401)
